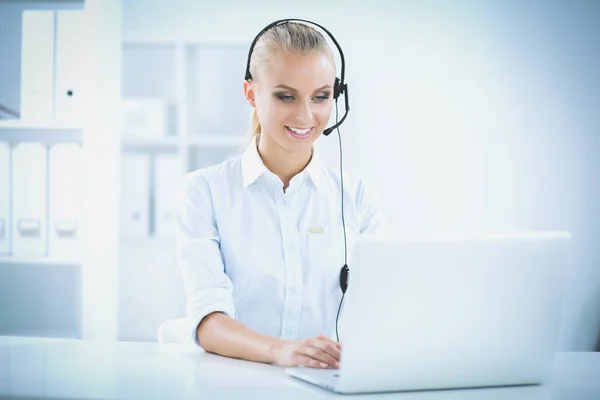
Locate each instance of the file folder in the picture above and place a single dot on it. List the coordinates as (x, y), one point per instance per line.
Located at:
(5, 195)
(11, 28)
(135, 196)
(29, 178)
(144, 117)
(65, 203)
(69, 94)
(37, 67)
(168, 174)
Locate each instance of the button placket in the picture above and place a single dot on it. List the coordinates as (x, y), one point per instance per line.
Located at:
(293, 270)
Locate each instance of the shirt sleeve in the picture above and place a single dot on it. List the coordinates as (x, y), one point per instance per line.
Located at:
(208, 289)
(371, 214)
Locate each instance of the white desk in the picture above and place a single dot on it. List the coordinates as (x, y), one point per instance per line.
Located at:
(61, 368)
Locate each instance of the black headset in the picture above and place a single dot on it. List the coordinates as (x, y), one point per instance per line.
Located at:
(339, 87)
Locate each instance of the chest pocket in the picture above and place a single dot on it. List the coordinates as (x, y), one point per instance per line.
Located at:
(326, 255)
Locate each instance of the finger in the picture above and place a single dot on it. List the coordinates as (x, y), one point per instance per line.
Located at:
(327, 339)
(321, 355)
(334, 351)
(311, 362)
(329, 347)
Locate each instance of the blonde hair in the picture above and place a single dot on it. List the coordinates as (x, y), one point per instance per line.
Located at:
(289, 37)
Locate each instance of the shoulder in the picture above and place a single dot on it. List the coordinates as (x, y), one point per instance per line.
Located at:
(208, 180)
(364, 196)
(354, 184)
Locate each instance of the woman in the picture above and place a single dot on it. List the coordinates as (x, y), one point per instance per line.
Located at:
(260, 238)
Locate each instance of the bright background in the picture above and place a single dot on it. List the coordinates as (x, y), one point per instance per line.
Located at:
(465, 115)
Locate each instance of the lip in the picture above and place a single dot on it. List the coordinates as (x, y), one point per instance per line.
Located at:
(299, 137)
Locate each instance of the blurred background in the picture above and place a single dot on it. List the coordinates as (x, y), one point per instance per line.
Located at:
(466, 115)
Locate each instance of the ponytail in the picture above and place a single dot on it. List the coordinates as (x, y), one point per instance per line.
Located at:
(254, 125)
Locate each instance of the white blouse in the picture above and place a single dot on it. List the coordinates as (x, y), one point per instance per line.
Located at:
(267, 258)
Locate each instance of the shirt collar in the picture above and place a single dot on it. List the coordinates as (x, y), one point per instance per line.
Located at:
(315, 170)
(253, 166)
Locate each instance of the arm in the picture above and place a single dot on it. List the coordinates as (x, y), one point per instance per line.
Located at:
(208, 289)
(210, 307)
(371, 214)
(222, 335)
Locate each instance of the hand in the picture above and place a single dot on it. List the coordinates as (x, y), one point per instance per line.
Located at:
(316, 352)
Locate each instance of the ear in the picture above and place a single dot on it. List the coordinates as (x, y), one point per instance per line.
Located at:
(249, 93)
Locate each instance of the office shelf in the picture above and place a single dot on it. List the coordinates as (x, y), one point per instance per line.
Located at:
(217, 141)
(44, 5)
(145, 39)
(149, 141)
(40, 260)
(19, 131)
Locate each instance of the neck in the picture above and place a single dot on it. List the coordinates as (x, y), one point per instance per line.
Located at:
(281, 162)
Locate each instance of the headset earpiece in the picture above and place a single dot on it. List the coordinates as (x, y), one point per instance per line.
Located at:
(336, 88)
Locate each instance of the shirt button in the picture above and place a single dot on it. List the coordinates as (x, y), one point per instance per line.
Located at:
(290, 246)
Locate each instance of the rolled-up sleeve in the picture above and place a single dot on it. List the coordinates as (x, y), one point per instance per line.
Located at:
(371, 214)
(208, 289)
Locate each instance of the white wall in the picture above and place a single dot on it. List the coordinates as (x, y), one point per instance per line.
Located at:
(466, 116)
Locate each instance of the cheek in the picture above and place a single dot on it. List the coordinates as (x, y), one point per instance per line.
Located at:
(266, 112)
(276, 114)
(323, 113)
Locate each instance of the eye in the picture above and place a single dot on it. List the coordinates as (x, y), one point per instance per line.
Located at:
(285, 98)
(321, 99)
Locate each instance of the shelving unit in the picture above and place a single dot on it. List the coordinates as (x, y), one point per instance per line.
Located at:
(201, 82)
(49, 294)
(199, 86)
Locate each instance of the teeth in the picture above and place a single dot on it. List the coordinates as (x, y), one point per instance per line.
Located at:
(299, 131)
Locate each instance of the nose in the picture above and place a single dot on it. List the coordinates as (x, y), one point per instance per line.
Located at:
(304, 113)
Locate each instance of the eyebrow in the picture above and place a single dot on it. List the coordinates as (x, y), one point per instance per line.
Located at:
(294, 90)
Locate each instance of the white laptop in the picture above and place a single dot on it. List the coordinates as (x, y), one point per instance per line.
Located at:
(449, 312)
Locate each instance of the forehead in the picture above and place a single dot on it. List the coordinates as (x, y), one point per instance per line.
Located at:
(300, 70)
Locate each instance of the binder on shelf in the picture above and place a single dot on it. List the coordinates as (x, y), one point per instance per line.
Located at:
(29, 178)
(69, 93)
(10, 67)
(168, 173)
(37, 67)
(135, 195)
(65, 191)
(5, 196)
(145, 117)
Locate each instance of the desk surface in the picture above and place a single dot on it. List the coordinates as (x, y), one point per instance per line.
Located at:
(64, 368)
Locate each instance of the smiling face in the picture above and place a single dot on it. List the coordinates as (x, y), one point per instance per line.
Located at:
(293, 97)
